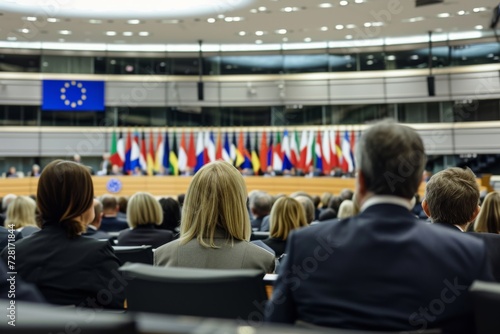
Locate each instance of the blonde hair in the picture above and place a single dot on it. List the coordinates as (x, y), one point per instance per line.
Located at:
(215, 199)
(21, 212)
(143, 209)
(287, 214)
(488, 220)
(346, 209)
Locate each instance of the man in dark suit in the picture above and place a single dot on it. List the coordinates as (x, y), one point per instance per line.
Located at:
(452, 201)
(260, 204)
(382, 269)
(110, 220)
(93, 228)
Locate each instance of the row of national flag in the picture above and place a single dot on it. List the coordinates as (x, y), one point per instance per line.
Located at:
(309, 150)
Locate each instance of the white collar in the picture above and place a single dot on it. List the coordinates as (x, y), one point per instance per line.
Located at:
(386, 199)
(92, 227)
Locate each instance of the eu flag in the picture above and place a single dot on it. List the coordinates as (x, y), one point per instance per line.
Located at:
(68, 95)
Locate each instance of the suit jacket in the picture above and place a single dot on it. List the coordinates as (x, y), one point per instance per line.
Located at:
(96, 234)
(264, 227)
(256, 223)
(277, 245)
(113, 224)
(241, 255)
(70, 271)
(380, 270)
(145, 235)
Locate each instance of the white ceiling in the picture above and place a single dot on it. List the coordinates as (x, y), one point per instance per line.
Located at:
(270, 25)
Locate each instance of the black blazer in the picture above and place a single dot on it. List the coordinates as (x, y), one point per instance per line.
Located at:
(277, 245)
(378, 271)
(145, 235)
(96, 234)
(79, 271)
(113, 224)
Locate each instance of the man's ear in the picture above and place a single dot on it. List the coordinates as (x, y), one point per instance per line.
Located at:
(425, 207)
(475, 213)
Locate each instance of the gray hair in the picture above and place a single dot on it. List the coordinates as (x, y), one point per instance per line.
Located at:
(261, 202)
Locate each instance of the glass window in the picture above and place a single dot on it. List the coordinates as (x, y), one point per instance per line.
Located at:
(371, 61)
(341, 63)
(65, 64)
(305, 63)
(485, 53)
(262, 64)
(19, 63)
(419, 112)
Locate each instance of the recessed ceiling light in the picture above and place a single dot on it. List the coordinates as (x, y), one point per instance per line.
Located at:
(228, 19)
(377, 24)
(95, 21)
(12, 38)
(259, 33)
(254, 11)
(110, 33)
(391, 57)
(262, 9)
(461, 12)
(221, 16)
(307, 39)
(128, 33)
(325, 5)
(479, 9)
(24, 31)
(134, 21)
(237, 18)
(65, 32)
(281, 31)
(324, 28)
(491, 55)
(348, 37)
(344, 3)
(478, 27)
(242, 33)
(359, 1)
(416, 19)
(339, 27)
(52, 20)
(367, 24)
(290, 9)
(31, 18)
(143, 33)
(369, 62)
(259, 41)
(443, 15)
(350, 26)
(211, 20)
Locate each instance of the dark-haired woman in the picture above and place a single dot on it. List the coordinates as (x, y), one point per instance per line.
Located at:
(67, 268)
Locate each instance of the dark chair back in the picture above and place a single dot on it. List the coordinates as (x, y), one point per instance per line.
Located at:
(486, 301)
(134, 254)
(257, 235)
(232, 294)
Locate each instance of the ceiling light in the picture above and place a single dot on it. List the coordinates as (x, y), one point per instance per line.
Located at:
(221, 16)
(377, 24)
(367, 24)
(170, 21)
(31, 18)
(65, 32)
(237, 19)
(479, 9)
(325, 5)
(478, 27)
(211, 20)
(348, 37)
(110, 33)
(52, 20)
(359, 1)
(416, 19)
(259, 41)
(24, 31)
(491, 55)
(143, 33)
(262, 9)
(369, 62)
(228, 19)
(285, 39)
(290, 9)
(324, 28)
(259, 33)
(391, 57)
(339, 27)
(443, 15)
(128, 33)
(461, 12)
(307, 39)
(242, 33)
(134, 21)
(12, 38)
(94, 21)
(344, 3)
(254, 11)
(350, 26)
(281, 31)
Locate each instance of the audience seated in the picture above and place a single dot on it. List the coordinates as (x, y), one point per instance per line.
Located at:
(334, 203)
(287, 214)
(110, 220)
(122, 211)
(6, 200)
(260, 204)
(215, 227)
(67, 268)
(451, 201)
(346, 209)
(488, 220)
(12, 173)
(327, 214)
(35, 171)
(308, 206)
(144, 214)
(171, 215)
(21, 216)
(93, 230)
(382, 270)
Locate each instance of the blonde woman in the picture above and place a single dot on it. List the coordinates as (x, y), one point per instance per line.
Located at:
(488, 220)
(286, 215)
(215, 225)
(346, 209)
(144, 215)
(21, 214)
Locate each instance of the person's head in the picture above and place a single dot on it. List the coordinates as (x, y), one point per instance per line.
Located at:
(77, 158)
(12, 170)
(452, 197)
(325, 198)
(143, 209)
(287, 214)
(109, 204)
(6, 200)
(346, 194)
(171, 214)
(35, 168)
(316, 200)
(334, 203)
(97, 214)
(260, 204)
(181, 198)
(215, 200)
(346, 209)
(488, 220)
(308, 206)
(327, 214)
(390, 159)
(65, 196)
(21, 212)
(122, 204)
